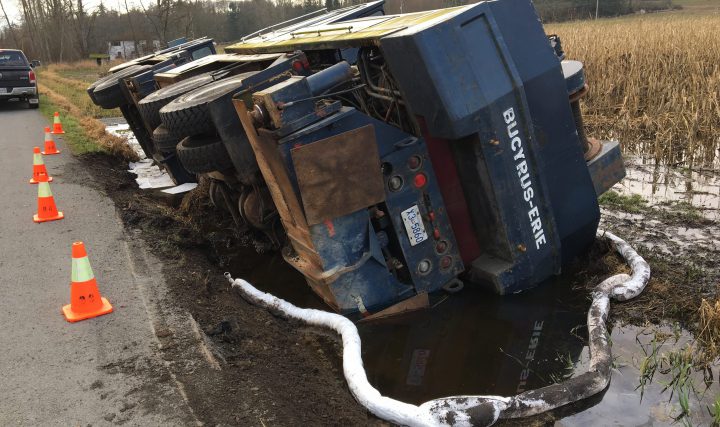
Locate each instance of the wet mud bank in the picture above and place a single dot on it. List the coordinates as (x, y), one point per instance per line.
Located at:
(264, 370)
(271, 371)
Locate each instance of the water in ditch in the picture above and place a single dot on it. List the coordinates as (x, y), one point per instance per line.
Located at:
(475, 342)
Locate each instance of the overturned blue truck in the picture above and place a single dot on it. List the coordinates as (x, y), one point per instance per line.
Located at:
(402, 155)
(465, 160)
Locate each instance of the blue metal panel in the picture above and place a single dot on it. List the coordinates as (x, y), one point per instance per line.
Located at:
(488, 81)
(429, 201)
(356, 246)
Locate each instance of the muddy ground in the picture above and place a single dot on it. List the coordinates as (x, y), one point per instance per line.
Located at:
(266, 370)
(269, 371)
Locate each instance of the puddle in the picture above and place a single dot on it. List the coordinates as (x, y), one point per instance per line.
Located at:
(622, 404)
(661, 184)
(270, 273)
(475, 342)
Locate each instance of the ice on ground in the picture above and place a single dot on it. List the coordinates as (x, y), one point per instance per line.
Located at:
(182, 188)
(149, 175)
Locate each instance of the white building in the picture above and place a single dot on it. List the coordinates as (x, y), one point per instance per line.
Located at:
(127, 49)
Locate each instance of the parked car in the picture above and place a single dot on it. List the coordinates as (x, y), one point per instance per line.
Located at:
(17, 77)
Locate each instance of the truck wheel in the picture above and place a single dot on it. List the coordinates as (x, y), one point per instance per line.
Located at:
(106, 92)
(91, 88)
(202, 154)
(164, 141)
(150, 105)
(189, 114)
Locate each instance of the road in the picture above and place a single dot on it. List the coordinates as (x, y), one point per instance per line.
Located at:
(101, 371)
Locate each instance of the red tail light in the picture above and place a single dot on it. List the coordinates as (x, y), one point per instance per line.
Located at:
(31, 76)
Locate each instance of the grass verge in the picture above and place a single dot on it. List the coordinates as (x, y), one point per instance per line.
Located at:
(75, 136)
(84, 133)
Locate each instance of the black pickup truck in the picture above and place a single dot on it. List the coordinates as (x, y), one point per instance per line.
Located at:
(17, 77)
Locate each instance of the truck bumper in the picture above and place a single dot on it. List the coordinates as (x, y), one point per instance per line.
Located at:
(18, 92)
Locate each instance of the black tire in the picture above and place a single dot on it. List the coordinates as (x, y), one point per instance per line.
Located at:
(91, 88)
(164, 141)
(203, 154)
(107, 94)
(189, 114)
(150, 105)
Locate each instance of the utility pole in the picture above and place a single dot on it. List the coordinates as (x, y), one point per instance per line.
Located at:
(597, 7)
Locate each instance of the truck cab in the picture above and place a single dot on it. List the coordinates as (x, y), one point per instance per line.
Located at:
(17, 78)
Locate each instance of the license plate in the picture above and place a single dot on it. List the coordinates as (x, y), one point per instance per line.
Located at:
(414, 225)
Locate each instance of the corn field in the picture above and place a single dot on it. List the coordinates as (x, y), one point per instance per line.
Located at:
(654, 83)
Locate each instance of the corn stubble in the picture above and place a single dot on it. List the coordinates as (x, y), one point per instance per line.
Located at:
(654, 83)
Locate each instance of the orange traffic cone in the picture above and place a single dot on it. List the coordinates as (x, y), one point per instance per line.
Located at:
(49, 144)
(57, 126)
(46, 204)
(85, 299)
(40, 174)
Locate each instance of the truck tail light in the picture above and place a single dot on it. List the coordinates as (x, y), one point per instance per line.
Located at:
(31, 76)
(301, 65)
(420, 180)
(414, 162)
(446, 262)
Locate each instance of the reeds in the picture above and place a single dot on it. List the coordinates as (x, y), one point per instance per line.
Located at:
(709, 327)
(654, 83)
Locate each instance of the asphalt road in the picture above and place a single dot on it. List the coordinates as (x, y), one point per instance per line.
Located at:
(96, 372)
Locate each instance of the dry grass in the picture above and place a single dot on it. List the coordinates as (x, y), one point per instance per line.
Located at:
(194, 201)
(84, 68)
(653, 82)
(709, 335)
(65, 85)
(73, 89)
(93, 128)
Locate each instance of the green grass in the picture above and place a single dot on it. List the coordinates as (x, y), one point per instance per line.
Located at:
(85, 75)
(682, 211)
(715, 411)
(75, 137)
(633, 203)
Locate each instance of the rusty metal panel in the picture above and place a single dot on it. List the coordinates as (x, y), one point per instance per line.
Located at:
(339, 175)
(420, 301)
(278, 182)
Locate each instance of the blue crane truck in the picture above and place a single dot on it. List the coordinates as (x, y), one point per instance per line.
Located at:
(393, 156)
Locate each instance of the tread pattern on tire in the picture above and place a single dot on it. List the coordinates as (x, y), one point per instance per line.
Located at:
(164, 141)
(150, 105)
(203, 154)
(107, 93)
(189, 115)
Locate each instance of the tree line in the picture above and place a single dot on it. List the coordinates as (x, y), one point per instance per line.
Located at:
(65, 30)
